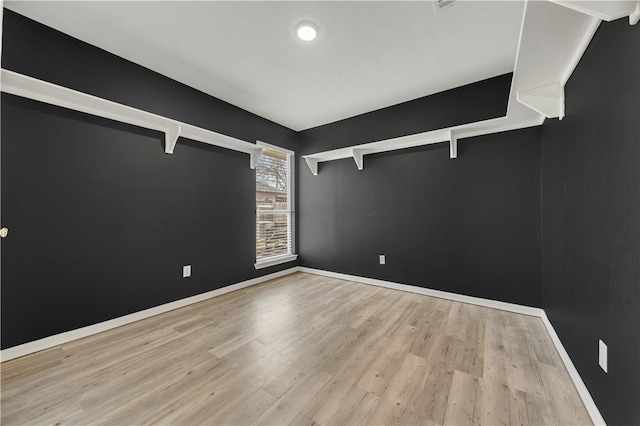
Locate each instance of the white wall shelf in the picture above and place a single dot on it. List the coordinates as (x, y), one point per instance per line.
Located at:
(32, 88)
(605, 10)
(553, 38)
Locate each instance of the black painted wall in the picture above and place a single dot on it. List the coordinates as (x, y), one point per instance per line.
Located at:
(467, 104)
(591, 227)
(469, 225)
(101, 220)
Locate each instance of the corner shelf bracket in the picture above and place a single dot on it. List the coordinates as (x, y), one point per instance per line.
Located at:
(634, 17)
(313, 165)
(453, 145)
(547, 100)
(358, 156)
(171, 138)
(255, 157)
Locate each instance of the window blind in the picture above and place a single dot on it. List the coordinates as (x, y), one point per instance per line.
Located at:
(274, 212)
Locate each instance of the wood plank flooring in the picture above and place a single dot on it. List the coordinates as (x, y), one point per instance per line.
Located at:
(303, 350)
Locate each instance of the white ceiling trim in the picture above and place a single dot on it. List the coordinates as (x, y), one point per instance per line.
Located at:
(553, 38)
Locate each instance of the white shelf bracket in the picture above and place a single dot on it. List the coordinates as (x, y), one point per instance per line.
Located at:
(453, 145)
(358, 157)
(313, 165)
(255, 157)
(547, 100)
(171, 138)
(635, 15)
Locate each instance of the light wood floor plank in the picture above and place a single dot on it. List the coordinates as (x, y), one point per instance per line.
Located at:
(398, 395)
(288, 406)
(361, 413)
(302, 350)
(384, 367)
(465, 400)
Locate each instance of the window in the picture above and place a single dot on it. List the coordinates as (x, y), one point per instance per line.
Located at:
(274, 207)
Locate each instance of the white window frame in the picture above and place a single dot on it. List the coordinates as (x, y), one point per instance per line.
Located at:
(289, 257)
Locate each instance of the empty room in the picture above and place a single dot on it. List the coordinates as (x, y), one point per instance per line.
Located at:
(320, 212)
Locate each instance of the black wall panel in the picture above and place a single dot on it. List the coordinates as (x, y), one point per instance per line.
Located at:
(469, 225)
(591, 231)
(101, 220)
(467, 104)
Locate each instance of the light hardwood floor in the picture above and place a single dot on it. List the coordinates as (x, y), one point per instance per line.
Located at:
(302, 349)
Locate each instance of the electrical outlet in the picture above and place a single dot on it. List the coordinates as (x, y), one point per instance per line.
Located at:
(186, 271)
(383, 259)
(602, 355)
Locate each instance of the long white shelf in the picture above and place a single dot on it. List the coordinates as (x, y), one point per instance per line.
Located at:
(606, 10)
(553, 38)
(32, 88)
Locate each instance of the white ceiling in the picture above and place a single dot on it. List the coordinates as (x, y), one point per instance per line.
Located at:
(368, 55)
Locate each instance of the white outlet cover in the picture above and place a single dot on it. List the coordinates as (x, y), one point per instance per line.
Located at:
(602, 355)
(186, 271)
(382, 259)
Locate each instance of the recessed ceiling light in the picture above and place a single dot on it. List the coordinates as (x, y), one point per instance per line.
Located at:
(306, 31)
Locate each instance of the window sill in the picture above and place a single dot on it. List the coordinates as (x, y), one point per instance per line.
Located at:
(276, 260)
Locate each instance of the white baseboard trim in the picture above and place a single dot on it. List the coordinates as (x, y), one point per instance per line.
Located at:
(79, 333)
(58, 339)
(495, 304)
(587, 400)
